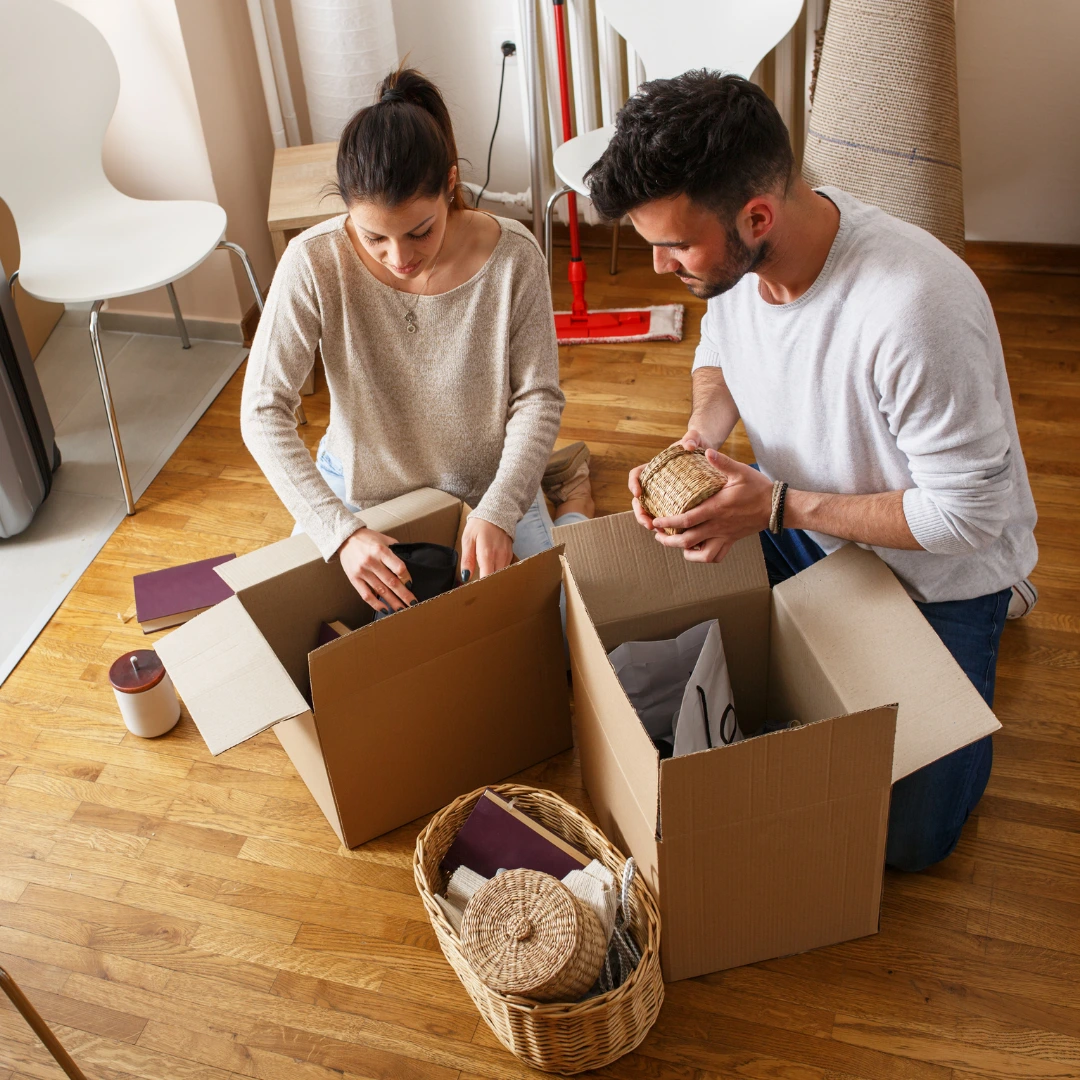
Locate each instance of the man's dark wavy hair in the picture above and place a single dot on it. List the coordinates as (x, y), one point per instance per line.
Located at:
(716, 138)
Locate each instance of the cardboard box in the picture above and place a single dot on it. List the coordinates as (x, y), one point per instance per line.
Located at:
(403, 715)
(774, 845)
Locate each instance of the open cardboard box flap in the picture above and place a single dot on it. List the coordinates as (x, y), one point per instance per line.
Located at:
(433, 678)
(875, 646)
(644, 580)
(231, 681)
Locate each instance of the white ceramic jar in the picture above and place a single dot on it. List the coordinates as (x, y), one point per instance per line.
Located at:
(145, 693)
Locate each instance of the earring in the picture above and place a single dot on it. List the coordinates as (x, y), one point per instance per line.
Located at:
(452, 198)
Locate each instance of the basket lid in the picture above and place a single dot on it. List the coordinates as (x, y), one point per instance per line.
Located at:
(525, 933)
(136, 671)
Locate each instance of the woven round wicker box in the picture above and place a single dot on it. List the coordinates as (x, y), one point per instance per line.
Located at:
(526, 933)
(677, 480)
(561, 1037)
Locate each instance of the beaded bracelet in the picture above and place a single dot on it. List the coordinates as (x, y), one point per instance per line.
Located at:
(776, 516)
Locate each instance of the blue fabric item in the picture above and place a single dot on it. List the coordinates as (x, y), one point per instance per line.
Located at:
(930, 806)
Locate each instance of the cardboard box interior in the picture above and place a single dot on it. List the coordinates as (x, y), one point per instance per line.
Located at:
(401, 716)
(774, 845)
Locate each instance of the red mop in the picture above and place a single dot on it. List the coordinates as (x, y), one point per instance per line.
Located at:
(614, 325)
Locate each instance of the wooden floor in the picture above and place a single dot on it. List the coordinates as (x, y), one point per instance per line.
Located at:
(177, 917)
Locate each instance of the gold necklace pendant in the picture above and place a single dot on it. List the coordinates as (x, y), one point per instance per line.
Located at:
(410, 322)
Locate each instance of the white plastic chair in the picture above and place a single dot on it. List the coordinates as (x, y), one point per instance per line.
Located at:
(733, 36)
(81, 239)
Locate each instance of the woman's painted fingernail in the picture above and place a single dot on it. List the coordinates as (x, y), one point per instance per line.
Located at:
(413, 603)
(387, 611)
(465, 575)
(408, 584)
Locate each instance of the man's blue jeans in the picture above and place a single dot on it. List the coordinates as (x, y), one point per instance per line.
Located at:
(930, 806)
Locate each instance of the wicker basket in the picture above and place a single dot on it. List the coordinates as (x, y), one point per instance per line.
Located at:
(562, 1038)
(676, 480)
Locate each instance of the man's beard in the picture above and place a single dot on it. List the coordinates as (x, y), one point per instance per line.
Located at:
(739, 262)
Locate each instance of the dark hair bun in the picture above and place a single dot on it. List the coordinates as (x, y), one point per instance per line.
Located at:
(392, 155)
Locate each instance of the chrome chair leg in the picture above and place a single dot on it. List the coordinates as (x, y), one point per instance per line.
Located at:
(11, 280)
(110, 412)
(615, 230)
(241, 254)
(549, 213)
(184, 340)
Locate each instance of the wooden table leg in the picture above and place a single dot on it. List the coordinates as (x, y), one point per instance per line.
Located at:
(278, 239)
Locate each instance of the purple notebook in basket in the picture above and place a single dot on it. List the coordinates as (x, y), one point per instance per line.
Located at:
(497, 836)
(178, 593)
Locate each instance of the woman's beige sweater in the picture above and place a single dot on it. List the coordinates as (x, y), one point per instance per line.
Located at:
(470, 403)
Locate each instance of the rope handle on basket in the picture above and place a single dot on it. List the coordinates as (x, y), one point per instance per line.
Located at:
(625, 897)
(623, 954)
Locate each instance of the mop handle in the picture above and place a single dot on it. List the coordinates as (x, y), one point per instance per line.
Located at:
(564, 100)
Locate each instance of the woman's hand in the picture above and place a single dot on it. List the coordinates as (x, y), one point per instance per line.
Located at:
(485, 548)
(377, 574)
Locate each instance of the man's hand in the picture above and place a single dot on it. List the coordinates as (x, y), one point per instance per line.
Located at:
(742, 507)
(692, 440)
(484, 548)
(377, 574)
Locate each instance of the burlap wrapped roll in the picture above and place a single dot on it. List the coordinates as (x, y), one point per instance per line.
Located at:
(525, 933)
(885, 122)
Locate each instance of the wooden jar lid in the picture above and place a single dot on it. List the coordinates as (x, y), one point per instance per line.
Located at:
(137, 671)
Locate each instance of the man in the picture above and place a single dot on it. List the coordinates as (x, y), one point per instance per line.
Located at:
(863, 358)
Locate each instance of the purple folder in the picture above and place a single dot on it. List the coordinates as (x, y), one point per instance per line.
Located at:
(499, 837)
(161, 594)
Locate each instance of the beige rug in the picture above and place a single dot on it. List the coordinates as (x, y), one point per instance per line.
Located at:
(160, 391)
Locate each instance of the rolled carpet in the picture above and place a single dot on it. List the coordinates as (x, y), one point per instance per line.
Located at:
(885, 123)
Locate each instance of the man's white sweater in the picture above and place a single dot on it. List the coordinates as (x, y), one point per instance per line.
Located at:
(887, 374)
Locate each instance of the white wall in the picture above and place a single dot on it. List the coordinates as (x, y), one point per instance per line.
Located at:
(1019, 105)
(1020, 119)
(457, 46)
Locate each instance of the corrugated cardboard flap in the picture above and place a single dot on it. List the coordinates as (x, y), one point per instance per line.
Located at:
(875, 646)
(268, 562)
(624, 574)
(460, 691)
(778, 773)
(407, 514)
(619, 738)
(231, 681)
(448, 622)
(774, 845)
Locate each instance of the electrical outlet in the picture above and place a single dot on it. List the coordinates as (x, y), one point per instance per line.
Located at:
(498, 36)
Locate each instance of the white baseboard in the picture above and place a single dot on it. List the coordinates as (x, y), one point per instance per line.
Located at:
(139, 323)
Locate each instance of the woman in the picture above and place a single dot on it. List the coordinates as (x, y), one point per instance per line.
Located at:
(439, 350)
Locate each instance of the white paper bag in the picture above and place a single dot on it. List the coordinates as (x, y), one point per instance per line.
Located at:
(654, 675)
(707, 717)
(662, 681)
